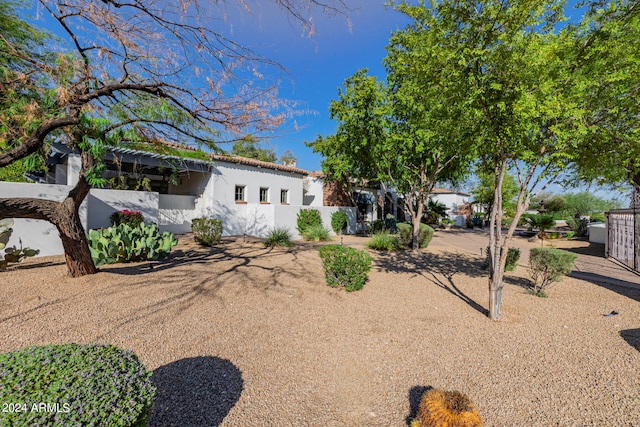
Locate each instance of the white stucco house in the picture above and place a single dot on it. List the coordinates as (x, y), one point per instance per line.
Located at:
(250, 196)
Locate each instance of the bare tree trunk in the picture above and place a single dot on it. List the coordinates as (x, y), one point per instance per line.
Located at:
(496, 254)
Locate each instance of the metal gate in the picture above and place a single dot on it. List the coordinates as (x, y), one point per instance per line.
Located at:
(623, 231)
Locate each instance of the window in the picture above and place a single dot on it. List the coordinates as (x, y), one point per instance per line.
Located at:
(284, 197)
(264, 195)
(239, 197)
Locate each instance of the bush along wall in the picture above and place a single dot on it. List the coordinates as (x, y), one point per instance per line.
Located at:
(339, 222)
(125, 216)
(207, 231)
(308, 218)
(74, 385)
(344, 266)
(127, 244)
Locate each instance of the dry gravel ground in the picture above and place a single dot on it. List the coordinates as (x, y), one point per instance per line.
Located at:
(240, 335)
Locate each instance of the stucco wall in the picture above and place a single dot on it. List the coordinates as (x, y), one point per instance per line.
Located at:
(227, 175)
(94, 212)
(175, 213)
(598, 233)
(103, 203)
(34, 233)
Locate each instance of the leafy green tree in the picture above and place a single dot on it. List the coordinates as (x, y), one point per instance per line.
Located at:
(251, 148)
(609, 62)
(483, 192)
(403, 133)
(584, 202)
(518, 86)
(288, 158)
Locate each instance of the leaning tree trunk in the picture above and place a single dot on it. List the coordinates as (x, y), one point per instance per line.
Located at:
(74, 240)
(65, 217)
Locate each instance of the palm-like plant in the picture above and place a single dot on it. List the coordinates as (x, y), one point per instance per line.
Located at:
(542, 223)
(434, 211)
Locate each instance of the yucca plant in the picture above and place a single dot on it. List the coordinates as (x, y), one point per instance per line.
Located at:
(316, 233)
(278, 236)
(383, 241)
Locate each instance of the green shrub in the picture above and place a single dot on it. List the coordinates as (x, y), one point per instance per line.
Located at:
(316, 233)
(476, 221)
(578, 226)
(383, 241)
(390, 223)
(308, 218)
(597, 217)
(278, 237)
(405, 234)
(377, 226)
(127, 244)
(344, 266)
(513, 256)
(207, 231)
(548, 265)
(339, 222)
(125, 216)
(569, 235)
(75, 385)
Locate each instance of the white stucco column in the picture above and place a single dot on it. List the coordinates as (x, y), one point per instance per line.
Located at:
(74, 164)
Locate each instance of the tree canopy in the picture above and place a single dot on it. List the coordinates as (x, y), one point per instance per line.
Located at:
(251, 148)
(608, 61)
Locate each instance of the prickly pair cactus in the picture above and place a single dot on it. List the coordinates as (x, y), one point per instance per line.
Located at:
(440, 408)
(124, 243)
(5, 231)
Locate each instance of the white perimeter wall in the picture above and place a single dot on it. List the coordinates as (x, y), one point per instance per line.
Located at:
(175, 212)
(35, 233)
(598, 233)
(95, 212)
(103, 203)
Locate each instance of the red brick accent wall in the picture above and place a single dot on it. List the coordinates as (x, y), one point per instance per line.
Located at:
(333, 195)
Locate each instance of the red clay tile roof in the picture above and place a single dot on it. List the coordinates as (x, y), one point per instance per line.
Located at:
(257, 163)
(241, 160)
(438, 190)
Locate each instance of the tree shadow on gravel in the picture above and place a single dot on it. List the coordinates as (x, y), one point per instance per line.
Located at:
(632, 337)
(433, 267)
(195, 392)
(415, 394)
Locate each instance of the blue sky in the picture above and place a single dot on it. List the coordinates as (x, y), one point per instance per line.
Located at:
(316, 66)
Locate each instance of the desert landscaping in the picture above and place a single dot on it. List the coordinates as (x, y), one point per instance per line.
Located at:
(240, 334)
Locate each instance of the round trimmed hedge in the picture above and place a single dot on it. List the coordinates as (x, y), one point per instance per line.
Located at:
(73, 384)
